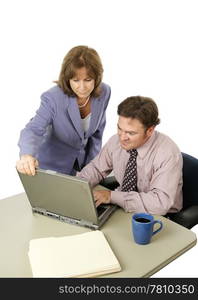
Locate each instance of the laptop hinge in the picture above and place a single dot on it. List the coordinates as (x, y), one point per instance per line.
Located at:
(74, 221)
(69, 220)
(88, 224)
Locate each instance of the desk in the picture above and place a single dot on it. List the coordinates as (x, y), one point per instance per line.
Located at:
(18, 225)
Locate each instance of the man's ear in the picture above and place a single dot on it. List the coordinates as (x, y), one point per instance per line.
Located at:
(150, 130)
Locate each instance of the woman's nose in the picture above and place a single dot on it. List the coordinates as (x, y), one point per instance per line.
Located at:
(81, 85)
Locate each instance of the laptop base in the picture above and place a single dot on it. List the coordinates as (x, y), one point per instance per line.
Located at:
(74, 221)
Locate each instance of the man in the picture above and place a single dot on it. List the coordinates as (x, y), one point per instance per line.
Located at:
(146, 163)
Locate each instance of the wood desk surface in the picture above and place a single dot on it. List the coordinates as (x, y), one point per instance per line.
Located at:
(18, 225)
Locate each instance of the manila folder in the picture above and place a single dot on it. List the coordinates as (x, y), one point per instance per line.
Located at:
(83, 255)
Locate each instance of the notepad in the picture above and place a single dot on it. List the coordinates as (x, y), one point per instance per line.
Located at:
(83, 255)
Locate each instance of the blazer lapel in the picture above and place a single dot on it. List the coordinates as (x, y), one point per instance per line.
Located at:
(95, 116)
(75, 117)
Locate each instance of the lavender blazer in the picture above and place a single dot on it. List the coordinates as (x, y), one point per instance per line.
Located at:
(55, 135)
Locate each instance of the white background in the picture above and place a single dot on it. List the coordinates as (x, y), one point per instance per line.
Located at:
(148, 47)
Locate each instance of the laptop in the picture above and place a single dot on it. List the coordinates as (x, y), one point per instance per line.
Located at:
(66, 198)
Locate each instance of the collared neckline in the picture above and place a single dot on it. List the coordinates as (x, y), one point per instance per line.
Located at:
(143, 150)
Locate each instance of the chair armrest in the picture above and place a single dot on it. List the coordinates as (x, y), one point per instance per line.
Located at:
(110, 183)
(187, 217)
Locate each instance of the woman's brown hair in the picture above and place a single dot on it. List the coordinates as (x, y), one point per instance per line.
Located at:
(76, 58)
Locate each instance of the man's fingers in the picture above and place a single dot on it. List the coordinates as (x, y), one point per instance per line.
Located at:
(98, 202)
(97, 198)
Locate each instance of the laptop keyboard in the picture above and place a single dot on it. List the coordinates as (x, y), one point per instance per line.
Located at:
(101, 209)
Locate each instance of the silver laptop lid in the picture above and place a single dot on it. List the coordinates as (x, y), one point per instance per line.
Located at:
(61, 194)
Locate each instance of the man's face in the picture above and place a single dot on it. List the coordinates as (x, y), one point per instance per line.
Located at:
(132, 133)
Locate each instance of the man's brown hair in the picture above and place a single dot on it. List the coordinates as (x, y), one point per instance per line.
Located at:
(141, 108)
(76, 58)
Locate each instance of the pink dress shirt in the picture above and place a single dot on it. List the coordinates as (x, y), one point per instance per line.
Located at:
(159, 174)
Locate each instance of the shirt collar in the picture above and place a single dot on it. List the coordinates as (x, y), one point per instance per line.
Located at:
(143, 150)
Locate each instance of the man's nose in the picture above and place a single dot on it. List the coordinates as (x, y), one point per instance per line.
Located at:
(123, 136)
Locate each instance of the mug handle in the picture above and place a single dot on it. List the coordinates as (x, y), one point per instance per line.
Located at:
(157, 230)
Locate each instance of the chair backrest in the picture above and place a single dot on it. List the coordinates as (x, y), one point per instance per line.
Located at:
(190, 180)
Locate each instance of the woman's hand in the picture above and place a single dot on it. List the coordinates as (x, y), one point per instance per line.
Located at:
(27, 164)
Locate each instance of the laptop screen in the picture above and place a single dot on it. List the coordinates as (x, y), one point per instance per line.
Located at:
(60, 194)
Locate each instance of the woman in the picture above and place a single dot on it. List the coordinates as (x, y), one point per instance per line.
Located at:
(66, 132)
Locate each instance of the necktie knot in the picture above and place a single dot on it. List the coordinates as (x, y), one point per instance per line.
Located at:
(133, 152)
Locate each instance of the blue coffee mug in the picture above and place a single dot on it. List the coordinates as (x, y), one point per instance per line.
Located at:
(143, 227)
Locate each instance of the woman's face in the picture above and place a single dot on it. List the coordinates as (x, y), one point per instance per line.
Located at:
(82, 84)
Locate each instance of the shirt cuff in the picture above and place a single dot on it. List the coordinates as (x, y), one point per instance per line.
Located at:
(117, 198)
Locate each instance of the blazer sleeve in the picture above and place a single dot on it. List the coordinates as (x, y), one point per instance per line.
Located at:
(32, 136)
(94, 144)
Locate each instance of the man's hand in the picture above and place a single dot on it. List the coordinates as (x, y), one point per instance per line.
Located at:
(102, 196)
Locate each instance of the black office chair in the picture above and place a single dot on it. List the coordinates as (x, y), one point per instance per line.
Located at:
(188, 216)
